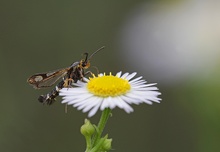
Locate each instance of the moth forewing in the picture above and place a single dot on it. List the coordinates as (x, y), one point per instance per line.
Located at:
(47, 79)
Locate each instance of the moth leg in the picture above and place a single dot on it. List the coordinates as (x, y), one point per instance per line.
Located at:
(67, 83)
(88, 72)
(97, 70)
(70, 81)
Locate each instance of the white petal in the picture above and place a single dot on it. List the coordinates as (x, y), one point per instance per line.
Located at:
(141, 99)
(94, 101)
(94, 109)
(130, 100)
(131, 76)
(116, 103)
(138, 82)
(124, 75)
(111, 102)
(141, 86)
(78, 101)
(91, 102)
(119, 74)
(105, 103)
(136, 79)
(125, 106)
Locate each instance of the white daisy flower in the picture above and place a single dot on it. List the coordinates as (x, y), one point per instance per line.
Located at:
(109, 91)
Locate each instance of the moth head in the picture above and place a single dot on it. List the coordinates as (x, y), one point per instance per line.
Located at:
(85, 63)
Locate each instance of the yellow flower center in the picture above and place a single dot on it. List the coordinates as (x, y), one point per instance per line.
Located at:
(108, 85)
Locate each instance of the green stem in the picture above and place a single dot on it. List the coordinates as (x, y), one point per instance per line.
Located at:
(88, 143)
(102, 122)
(98, 145)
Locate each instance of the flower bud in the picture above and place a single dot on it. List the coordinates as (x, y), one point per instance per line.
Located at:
(87, 129)
(107, 144)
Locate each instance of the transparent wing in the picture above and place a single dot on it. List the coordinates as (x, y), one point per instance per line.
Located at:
(47, 79)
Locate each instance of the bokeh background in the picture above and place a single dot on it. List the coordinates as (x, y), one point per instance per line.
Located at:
(173, 43)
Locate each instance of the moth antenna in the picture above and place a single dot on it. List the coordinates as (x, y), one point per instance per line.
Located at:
(86, 54)
(96, 52)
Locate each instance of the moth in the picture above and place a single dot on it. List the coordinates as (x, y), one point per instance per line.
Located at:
(73, 73)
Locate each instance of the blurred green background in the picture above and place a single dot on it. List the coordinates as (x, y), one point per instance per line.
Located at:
(183, 58)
